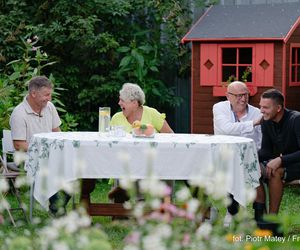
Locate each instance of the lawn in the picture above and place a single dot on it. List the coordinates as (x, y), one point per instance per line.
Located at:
(117, 230)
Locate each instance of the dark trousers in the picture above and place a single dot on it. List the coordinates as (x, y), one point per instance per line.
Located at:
(233, 208)
(58, 203)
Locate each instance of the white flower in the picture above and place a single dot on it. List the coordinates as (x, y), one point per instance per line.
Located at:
(4, 205)
(20, 157)
(200, 181)
(164, 231)
(204, 230)
(60, 246)
(193, 205)
(250, 195)
(227, 201)
(154, 187)
(155, 204)
(127, 205)
(131, 247)
(21, 181)
(127, 182)
(138, 211)
(70, 187)
(82, 241)
(85, 221)
(217, 191)
(151, 242)
(50, 233)
(3, 185)
(183, 194)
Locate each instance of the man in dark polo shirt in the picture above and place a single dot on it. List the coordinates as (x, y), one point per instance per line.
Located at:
(280, 148)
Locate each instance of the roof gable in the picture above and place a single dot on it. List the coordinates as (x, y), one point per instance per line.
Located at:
(261, 21)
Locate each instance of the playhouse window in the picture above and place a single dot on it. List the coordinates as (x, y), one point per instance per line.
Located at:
(252, 63)
(237, 64)
(295, 65)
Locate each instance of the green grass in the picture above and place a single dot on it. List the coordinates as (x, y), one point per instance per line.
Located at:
(117, 230)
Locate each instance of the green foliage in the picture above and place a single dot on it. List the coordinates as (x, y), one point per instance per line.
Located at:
(84, 39)
(141, 65)
(5, 103)
(14, 83)
(244, 77)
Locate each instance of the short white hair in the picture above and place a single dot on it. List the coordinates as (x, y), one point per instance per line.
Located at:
(132, 92)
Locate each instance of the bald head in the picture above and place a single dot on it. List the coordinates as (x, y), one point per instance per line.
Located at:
(238, 96)
(237, 86)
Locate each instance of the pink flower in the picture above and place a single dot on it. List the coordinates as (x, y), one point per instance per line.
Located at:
(167, 191)
(133, 238)
(186, 240)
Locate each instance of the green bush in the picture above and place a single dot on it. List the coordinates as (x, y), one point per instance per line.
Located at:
(85, 38)
(14, 84)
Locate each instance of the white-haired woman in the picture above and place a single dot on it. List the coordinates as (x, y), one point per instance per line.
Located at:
(131, 101)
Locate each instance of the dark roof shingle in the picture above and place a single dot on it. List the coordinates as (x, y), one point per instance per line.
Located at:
(245, 21)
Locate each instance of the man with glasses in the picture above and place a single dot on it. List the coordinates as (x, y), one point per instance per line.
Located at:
(237, 117)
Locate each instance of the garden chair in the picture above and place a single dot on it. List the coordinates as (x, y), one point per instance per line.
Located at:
(10, 171)
(8, 148)
(11, 176)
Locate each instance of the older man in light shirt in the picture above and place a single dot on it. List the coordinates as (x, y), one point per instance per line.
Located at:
(237, 117)
(36, 114)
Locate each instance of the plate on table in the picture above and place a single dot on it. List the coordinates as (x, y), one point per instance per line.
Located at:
(143, 135)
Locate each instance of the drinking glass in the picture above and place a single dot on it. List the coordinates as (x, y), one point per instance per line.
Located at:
(104, 119)
(117, 131)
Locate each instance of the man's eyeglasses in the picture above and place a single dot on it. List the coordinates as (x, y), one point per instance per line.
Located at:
(239, 96)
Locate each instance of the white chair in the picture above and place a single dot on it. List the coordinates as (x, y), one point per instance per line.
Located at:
(10, 172)
(8, 148)
(4, 173)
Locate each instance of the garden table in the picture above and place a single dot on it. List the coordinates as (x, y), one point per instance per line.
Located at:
(55, 159)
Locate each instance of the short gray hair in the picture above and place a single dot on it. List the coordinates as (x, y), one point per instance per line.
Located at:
(38, 82)
(132, 92)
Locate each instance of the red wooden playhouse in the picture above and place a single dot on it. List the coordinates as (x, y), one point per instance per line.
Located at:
(259, 43)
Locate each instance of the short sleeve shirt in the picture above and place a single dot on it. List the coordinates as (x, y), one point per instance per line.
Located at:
(24, 122)
(150, 115)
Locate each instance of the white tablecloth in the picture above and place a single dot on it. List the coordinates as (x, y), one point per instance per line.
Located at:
(62, 157)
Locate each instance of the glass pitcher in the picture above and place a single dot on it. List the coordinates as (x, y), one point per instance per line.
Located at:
(104, 119)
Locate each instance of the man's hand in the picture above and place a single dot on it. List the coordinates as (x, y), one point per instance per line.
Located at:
(258, 121)
(273, 165)
(20, 145)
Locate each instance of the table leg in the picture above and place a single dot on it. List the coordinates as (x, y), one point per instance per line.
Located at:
(87, 187)
(100, 209)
